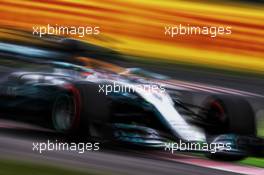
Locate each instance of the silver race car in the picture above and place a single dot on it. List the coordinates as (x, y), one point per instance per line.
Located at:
(57, 84)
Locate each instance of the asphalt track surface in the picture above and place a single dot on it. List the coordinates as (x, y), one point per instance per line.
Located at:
(16, 139)
(19, 147)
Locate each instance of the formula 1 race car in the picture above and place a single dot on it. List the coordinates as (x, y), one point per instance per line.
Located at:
(51, 86)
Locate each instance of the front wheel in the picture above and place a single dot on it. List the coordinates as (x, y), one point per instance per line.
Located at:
(227, 115)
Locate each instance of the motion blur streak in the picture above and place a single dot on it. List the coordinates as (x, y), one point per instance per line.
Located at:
(136, 27)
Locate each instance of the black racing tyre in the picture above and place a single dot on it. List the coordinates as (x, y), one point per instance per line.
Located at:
(65, 116)
(63, 113)
(227, 114)
(81, 111)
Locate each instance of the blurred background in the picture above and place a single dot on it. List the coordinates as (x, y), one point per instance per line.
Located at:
(135, 29)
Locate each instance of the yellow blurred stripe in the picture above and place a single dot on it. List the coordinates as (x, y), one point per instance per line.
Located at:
(137, 27)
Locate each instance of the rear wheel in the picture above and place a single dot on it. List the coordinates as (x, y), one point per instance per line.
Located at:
(64, 113)
(81, 111)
